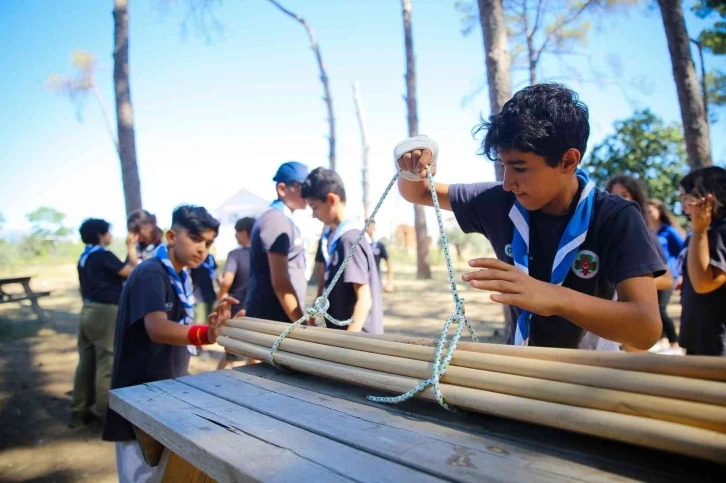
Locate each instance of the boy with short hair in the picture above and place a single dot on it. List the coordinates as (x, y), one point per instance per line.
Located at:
(278, 284)
(563, 247)
(237, 274)
(101, 275)
(203, 279)
(153, 337)
(357, 294)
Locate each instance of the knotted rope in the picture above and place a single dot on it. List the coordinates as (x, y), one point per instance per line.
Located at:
(322, 303)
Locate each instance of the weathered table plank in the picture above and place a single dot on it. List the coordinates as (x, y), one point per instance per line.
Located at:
(337, 456)
(550, 450)
(210, 444)
(447, 453)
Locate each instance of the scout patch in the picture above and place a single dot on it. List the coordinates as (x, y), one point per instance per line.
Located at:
(586, 264)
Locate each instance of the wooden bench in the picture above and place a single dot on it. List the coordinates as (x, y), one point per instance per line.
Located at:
(264, 424)
(28, 294)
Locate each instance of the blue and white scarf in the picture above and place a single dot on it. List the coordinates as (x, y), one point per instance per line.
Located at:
(573, 236)
(329, 240)
(182, 286)
(87, 252)
(209, 264)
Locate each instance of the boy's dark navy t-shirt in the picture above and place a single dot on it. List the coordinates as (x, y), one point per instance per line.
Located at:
(703, 318)
(618, 246)
(274, 232)
(203, 282)
(360, 270)
(138, 360)
(379, 253)
(99, 278)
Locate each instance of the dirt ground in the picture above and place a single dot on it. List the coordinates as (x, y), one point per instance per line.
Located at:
(38, 360)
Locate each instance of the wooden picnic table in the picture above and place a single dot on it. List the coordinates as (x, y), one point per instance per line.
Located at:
(28, 294)
(259, 423)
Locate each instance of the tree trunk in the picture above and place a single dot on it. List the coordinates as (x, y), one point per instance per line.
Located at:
(704, 86)
(498, 61)
(124, 113)
(323, 78)
(423, 269)
(364, 142)
(693, 115)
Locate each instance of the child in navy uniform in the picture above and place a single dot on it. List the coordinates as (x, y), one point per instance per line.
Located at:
(154, 338)
(703, 293)
(101, 275)
(203, 279)
(357, 293)
(563, 246)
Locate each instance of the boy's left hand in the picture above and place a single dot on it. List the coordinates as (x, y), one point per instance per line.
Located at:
(514, 286)
(220, 316)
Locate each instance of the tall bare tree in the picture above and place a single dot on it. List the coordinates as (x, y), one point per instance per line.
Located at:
(124, 112)
(497, 59)
(360, 113)
(693, 112)
(323, 78)
(84, 82)
(423, 268)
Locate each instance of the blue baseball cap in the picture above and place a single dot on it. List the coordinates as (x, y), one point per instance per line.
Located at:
(291, 171)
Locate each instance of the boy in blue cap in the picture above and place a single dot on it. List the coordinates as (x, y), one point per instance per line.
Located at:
(563, 247)
(277, 283)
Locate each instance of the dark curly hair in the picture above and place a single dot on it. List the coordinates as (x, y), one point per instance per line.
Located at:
(545, 119)
(704, 181)
(93, 228)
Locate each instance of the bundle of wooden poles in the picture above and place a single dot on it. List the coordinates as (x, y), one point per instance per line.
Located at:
(676, 404)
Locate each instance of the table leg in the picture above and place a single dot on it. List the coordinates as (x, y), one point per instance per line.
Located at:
(34, 302)
(179, 471)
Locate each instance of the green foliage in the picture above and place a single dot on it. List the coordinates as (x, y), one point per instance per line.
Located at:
(714, 38)
(461, 243)
(645, 147)
(48, 222)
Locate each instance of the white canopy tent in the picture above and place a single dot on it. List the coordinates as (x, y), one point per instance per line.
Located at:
(246, 203)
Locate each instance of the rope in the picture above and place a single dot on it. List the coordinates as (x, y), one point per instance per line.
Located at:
(322, 304)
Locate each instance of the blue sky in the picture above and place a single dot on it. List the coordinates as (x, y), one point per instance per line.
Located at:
(214, 117)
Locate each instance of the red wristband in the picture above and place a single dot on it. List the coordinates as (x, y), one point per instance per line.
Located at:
(198, 335)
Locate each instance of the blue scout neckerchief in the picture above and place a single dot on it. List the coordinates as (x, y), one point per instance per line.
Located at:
(329, 240)
(182, 286)
(87, 252)
(573, 236)
(209, 264)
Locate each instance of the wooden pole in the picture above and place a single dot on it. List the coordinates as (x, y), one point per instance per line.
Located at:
(697, 390)
(694, 414)
(699, 367)
(663, 435)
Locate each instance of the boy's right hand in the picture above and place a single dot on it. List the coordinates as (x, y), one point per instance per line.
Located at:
(416, 161)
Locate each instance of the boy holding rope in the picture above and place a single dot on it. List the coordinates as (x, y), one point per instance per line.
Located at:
(563, 246)
(154, 335)
(359, 295)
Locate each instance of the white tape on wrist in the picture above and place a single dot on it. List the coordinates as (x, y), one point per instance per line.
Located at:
(411, 144)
